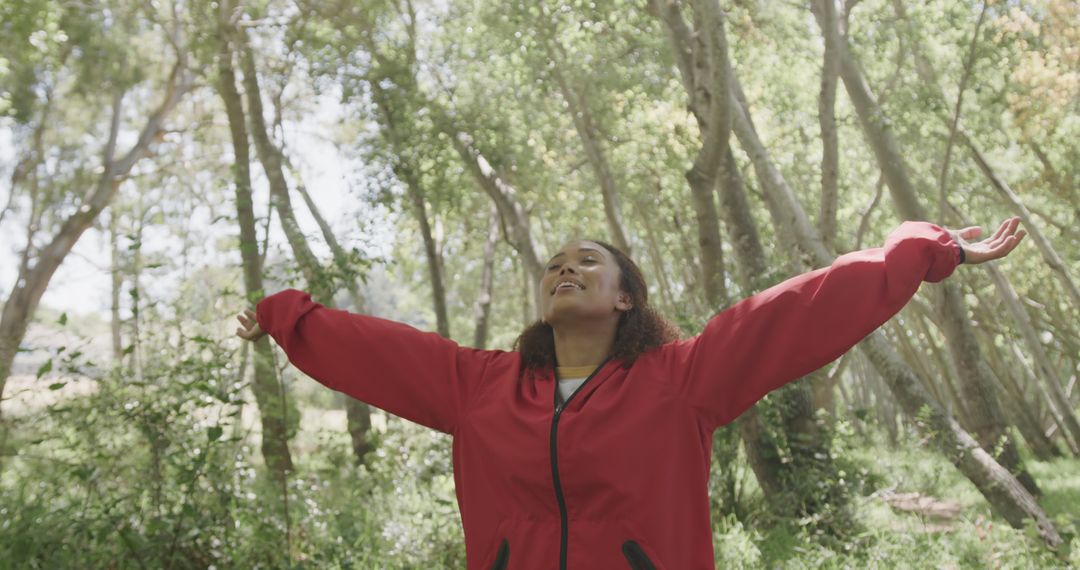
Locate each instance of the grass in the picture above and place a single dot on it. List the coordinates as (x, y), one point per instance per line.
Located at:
(892, 539)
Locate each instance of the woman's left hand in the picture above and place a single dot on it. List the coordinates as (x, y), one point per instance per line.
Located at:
(999, 245)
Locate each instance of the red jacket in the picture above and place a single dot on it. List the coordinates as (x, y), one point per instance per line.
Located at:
(617, 478)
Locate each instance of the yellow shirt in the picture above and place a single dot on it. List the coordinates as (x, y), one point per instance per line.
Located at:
(571, 378)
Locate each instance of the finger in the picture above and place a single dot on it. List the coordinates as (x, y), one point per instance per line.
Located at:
(1008, 244)
(1007, 228)
(970, 232)
(1014, 225)
(1000, 231)
(1017, 238)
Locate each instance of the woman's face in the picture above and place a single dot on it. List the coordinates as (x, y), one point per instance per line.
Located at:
(593, 289)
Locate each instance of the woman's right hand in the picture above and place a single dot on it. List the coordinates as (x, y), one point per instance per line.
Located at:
(250, 329)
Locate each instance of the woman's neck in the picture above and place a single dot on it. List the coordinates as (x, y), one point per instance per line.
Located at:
(583, 345)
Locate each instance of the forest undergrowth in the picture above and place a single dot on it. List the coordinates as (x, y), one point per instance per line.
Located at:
(140, 474)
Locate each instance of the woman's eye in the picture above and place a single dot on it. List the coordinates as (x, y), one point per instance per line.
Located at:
(588, 259)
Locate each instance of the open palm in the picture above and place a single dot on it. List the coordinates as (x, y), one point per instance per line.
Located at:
(1004, 240)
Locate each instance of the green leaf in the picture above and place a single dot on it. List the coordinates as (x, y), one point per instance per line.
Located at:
(63, 319)
(57, 385)
(45, 368)
(214, 433)
(129, 349)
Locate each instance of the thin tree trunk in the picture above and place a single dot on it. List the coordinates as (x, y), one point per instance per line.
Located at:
(1051, 378)
(708, 77)
(270, 396)
(688, 262)
(31, 283)
(1058, 421)
(116, 283)
(1049, 372)
(954, 124)
(510, 208)
(271, 160)
(830, 154)
(1005, 494)
(925, 69)
(1001, 489)
(136, 290)
(986, 418)
(1049, 254)
(405, 171)
(917, 360)
(751, 264)
(357, 413)
(487, 279)
(1023, 412)
(577, 105)
(319, 284)
(655, 256)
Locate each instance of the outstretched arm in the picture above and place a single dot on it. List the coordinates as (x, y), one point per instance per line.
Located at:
(802, 324)
(417, 375)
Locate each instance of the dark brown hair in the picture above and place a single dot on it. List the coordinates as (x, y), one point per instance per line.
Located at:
(640, 329)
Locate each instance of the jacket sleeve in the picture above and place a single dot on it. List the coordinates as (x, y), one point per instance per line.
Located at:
(805, 322)
(419, 376)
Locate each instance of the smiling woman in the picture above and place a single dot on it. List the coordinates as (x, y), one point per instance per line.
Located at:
(608, 312)
(615, 473)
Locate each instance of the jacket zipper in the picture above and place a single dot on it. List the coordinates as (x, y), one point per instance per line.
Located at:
(636, 556)
(502, 557)
(555, 461)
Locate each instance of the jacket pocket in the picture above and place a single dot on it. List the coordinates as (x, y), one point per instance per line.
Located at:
(502, 557)
(636, 556)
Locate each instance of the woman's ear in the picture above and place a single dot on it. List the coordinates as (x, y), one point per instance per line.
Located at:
(624, 303)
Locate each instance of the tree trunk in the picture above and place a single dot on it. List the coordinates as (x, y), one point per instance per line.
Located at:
(319, 284)
(986, 419)
(1049, 254)
(270, 396)
(708, 77)
(1004, 493)
(116, 283)
(655, 256)
(357, 413)
(135, 292)
(405, 172)
(925, 69)
(830, 154)
(1058, 421)
(1049, 372)
(510, 208)
(1023, 412)
(31, 283)
(487, 278)
(577, 105)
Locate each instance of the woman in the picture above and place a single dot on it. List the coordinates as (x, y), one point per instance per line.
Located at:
(598, 457)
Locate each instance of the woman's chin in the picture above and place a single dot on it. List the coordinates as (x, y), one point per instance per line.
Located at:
(570, 312)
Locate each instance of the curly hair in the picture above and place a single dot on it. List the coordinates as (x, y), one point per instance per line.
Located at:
(639, 330)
